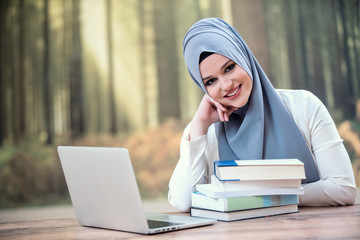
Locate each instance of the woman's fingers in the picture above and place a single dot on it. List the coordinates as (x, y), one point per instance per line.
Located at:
(217, 104)
(219, 108)
(226, 116)
(223, 112)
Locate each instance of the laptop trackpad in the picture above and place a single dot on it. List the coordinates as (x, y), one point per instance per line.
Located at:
(179, 219)
(160, 224)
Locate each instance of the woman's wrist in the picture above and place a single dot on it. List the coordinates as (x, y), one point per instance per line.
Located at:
(198, 128)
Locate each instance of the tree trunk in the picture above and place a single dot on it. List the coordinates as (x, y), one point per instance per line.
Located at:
(292, 34)
(113, 128)
(75, 77)
(349, 104)
(4, 5)
(47, 93)
(22, 83)
(66, 13)
(325, 36)
(143, 62)
(166, 58)
(13, 77)
(252, 29)
(314, 47)
(303, 52)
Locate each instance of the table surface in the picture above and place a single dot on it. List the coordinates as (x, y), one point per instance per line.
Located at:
(309, 223)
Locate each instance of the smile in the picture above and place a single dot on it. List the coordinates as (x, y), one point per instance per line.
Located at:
(234, 93)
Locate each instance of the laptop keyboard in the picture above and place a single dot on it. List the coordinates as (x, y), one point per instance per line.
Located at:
(159, 224)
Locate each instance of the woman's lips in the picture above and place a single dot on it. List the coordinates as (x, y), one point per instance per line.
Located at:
(233, 94)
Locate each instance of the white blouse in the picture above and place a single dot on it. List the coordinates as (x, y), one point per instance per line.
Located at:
(335, 187)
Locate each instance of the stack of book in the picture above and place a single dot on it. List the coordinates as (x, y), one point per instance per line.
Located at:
(249, 188)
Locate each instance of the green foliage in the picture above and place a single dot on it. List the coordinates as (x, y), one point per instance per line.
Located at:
(136, 61)
(154, 153)
(30, 175)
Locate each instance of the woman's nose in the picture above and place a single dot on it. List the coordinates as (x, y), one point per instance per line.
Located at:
(226, 84)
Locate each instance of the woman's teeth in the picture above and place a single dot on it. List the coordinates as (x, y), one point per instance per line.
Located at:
(236, 90)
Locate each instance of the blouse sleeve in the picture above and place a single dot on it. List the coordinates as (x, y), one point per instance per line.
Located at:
(337, 183)
(190, 170)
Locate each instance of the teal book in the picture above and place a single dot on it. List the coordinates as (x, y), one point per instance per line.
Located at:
(202, 201)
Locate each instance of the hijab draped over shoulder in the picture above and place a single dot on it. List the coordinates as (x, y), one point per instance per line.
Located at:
(263, 128)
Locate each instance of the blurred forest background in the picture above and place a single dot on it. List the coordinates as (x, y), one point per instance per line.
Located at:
(111, 73)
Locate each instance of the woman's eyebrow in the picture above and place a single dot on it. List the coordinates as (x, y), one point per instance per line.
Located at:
(226, 63)
(206, 78)
(222, 67)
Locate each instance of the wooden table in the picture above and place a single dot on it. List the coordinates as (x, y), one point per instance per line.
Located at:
(309, 223)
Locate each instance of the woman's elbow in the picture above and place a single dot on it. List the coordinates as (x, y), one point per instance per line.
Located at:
(349, 196)
(343, 194)
(182, 205)
(329, 192)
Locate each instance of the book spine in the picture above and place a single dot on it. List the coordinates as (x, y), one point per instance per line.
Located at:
(254, 184)
(247, 214)
(211, 191)
(234, 204)
(231, 163)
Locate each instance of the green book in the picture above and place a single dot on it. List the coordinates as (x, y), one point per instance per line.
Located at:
(200, 200)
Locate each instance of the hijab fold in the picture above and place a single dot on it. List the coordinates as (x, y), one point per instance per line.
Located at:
(263, 128)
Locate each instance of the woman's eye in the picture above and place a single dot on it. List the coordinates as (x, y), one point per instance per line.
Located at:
(210, 81)
(230, 67)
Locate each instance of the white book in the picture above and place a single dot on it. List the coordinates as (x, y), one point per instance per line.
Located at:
(212, 191)
(254, 184)
(264, 169)
(244, 214)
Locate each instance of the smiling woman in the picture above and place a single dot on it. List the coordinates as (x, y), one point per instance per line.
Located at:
(242, 116)
(225, 81)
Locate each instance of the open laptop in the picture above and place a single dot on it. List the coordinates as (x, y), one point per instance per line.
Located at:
(104, 192)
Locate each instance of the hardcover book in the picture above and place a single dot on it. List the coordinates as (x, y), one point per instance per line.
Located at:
(266, 169)
(202, 201)
(244, 214)
(254, 184)
(212, 191)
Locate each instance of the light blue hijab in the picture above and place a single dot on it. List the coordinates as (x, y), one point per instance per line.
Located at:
(263, 128)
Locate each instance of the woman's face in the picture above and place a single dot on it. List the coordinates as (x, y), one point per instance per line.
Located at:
(225, 81)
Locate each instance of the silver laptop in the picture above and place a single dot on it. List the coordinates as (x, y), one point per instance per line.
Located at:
(104, 192)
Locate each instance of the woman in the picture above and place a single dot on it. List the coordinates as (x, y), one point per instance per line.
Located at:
(242, 116)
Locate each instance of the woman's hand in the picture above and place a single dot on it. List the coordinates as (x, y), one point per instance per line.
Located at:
(209, 112)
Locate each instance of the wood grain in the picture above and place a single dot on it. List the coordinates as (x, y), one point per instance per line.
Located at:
(309, 223)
